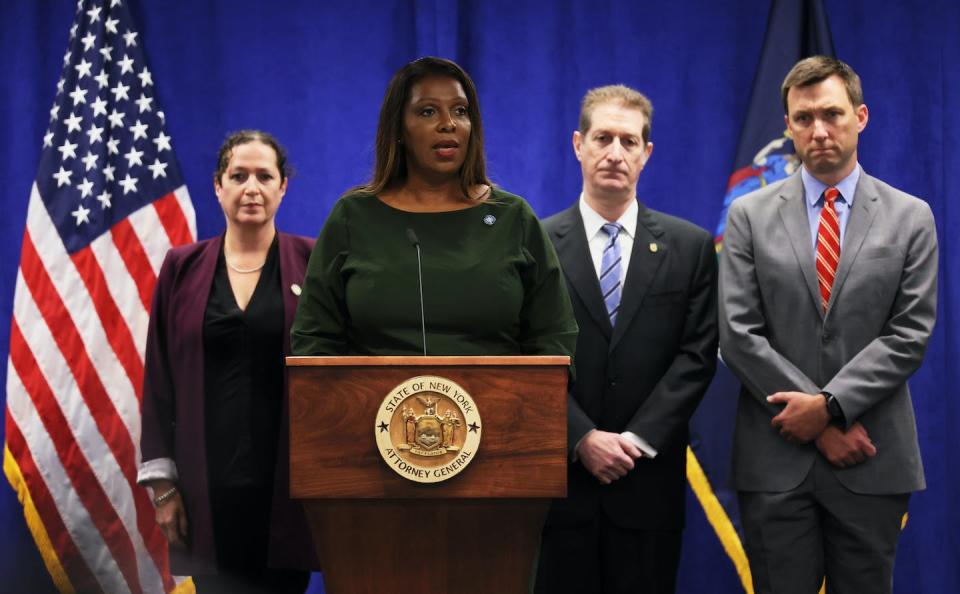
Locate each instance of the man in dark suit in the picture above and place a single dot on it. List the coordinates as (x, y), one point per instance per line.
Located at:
(828, 285)
(643, 287)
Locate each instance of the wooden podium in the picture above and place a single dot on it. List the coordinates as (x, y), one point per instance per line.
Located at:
(380, 533)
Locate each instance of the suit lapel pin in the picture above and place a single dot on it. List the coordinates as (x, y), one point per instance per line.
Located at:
(654, 247)
(489, 220)
(295, 289)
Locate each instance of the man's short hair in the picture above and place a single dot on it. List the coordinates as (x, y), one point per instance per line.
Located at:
(619, 94)
(814, 69)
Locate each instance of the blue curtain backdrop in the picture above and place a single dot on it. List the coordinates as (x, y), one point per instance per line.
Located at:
(314, 74)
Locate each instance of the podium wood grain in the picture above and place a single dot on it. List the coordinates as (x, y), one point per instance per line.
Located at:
(378, 532)
(427, 546)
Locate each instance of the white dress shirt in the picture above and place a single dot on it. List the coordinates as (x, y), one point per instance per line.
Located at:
(598, 239)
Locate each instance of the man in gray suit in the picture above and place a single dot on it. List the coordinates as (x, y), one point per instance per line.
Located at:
(828, 283)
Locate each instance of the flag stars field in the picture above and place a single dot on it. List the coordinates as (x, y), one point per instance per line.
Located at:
(88, 41)
(126, 65)
(120, 91)
(96, 43)
(158, 168)
(99, 107)
(62, 177)
(145, 79)
(89, 161)
(103, 69)
(79, 96)
(104, 199)
(95, 134)
(139, 130)
(73, 122)
(82, 214)
(67, 149)
(144, 103)
(129, 184)
(116, 118)
(83, 68)
(102, 79)
(162, 141)
(86, 188)
(133, 157)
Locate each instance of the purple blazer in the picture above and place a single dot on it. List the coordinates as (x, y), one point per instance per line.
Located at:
(173, 401)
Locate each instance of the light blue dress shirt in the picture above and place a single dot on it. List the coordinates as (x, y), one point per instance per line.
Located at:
(813, 192)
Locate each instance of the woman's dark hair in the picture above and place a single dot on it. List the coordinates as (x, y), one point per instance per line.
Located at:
(391, 161)
(235, 139)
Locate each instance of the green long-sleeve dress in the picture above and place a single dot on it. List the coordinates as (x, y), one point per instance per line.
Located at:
(492, 283)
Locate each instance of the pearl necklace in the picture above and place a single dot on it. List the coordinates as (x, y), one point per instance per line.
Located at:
(245, 270)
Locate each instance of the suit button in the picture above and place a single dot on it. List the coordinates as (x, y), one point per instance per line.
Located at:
(613, 384)
(827, 336)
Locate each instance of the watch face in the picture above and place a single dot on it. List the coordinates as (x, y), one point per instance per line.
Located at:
(833, 407)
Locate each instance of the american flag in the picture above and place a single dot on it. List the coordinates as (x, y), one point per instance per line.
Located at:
(107, 203)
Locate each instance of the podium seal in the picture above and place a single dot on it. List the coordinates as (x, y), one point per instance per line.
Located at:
(428, 429)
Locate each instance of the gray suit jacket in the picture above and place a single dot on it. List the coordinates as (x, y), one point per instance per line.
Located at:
(775, 336)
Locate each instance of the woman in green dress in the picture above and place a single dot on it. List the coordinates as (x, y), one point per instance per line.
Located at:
(492, 284)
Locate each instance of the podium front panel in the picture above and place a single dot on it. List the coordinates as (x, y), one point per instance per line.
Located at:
(333, 412)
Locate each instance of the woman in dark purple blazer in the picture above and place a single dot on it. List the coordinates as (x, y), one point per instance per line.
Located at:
(214, 444)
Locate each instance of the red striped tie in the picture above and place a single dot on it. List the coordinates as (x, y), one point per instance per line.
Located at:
(828, 245)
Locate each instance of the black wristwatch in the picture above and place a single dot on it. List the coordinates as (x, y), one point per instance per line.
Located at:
(833, 408)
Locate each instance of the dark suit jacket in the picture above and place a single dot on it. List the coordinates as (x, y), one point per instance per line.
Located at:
(645, 375)
(173, 399)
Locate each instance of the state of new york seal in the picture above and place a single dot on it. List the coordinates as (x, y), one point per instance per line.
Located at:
(428, 429)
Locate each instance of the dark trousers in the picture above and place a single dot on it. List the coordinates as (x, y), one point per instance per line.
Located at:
(602, 558)
(821, 529)
(241, 528)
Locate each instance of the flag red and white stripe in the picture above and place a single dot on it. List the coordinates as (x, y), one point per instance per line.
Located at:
(91, 250)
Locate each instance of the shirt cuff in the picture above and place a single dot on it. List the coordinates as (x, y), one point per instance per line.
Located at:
(158, 468)
(648, 450)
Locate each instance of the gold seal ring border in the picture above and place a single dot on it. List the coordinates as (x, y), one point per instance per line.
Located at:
(414, 472)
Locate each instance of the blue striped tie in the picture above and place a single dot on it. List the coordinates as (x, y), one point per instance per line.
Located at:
(610, 271)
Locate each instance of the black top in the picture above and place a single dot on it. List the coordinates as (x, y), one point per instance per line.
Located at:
(243, 377)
